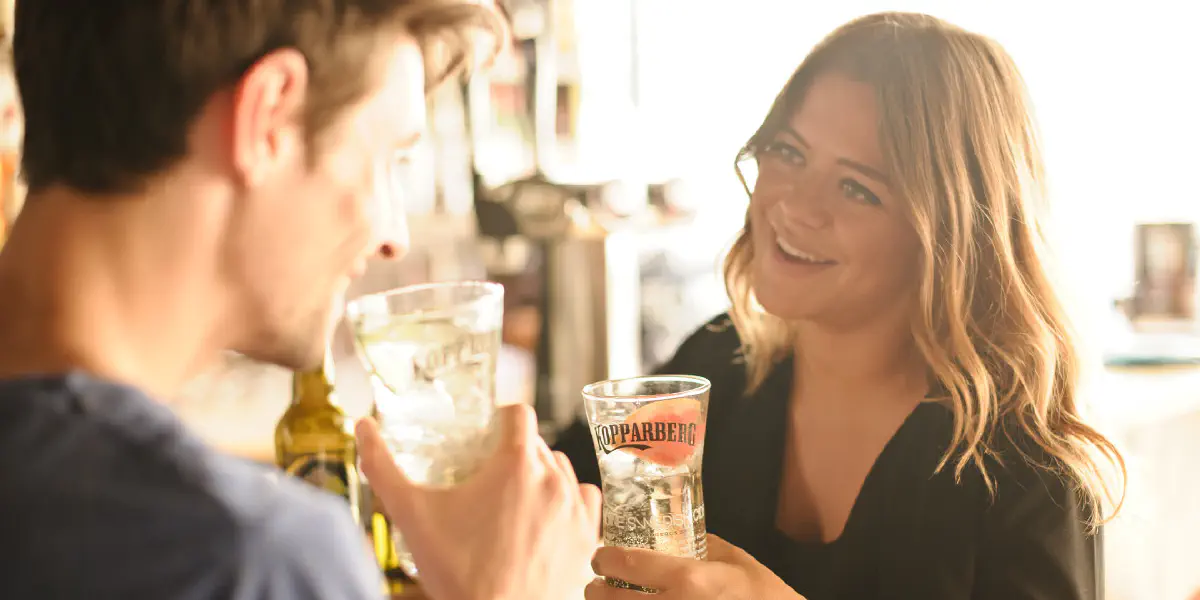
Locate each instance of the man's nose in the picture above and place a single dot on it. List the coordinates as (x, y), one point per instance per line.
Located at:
(388, 251)
(389, 227)
(391, 238)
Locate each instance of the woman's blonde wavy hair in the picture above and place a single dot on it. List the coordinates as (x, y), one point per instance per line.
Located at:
(959, 142)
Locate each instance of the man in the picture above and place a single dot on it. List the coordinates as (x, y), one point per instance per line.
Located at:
(199, 176)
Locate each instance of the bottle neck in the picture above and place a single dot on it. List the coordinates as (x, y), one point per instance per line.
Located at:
(314, 386)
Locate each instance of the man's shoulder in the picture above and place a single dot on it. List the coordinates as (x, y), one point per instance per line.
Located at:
(295, 541)
(100, 472)
(273, 511)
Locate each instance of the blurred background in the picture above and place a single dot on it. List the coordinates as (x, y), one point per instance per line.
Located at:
(590, 170)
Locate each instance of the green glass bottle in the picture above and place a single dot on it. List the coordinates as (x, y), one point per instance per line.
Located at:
(314, 439)
(379, 529)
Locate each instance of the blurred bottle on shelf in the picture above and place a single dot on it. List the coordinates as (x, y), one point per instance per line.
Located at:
(11, 125)
(314, 441)
(378, 527)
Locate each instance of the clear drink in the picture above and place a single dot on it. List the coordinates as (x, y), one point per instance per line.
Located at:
(648, 433)
(432, 352)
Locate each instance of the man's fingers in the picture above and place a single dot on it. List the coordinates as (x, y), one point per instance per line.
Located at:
(593, 500)
(637, 565)
(387, 480)
(518, 426)
(519, 437)
(568, 470)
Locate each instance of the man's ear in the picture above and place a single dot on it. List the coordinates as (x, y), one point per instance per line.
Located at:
(268, 102)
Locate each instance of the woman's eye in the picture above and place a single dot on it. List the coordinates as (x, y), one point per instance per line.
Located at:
(856, 191)
(784, 153)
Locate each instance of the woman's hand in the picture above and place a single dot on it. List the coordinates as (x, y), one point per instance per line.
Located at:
(728, 574)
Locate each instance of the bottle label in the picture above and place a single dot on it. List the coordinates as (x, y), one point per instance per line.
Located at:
(320, 471)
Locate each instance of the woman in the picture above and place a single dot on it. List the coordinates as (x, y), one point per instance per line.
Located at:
(893, 411)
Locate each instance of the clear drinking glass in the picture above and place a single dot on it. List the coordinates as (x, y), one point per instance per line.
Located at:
(648, 433)
(431, 351)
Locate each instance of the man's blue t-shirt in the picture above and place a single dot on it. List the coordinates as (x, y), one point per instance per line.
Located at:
(104, 494)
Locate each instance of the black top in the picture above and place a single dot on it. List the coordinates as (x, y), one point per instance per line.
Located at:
(911, 533)
(104, 495)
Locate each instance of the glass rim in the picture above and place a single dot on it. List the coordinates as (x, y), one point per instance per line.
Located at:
(491, 288)
(590, 391)
(491, 291)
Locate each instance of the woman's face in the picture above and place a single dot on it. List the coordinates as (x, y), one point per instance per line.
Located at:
(832, 243)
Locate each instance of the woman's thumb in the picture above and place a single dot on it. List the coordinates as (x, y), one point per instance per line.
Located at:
(722, 551)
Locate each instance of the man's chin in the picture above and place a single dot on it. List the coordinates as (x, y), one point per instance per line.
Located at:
(336, 314)
(294, 352)
(302, 358)
(293, 359)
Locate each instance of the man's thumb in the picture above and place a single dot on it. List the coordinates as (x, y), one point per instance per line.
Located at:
(394, 490)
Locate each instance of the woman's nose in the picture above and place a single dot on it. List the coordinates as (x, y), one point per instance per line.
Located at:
(800, 208)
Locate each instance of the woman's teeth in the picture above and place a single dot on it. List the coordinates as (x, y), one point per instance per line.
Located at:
(792, 252)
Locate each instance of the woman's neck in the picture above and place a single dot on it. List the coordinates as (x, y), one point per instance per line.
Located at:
(878, 361)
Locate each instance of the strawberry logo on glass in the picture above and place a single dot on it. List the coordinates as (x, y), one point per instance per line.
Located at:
(665, 432)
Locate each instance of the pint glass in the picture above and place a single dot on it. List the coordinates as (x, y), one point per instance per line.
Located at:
(648, 433)
(431, 351)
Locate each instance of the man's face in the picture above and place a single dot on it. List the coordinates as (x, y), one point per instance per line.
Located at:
(308, 228)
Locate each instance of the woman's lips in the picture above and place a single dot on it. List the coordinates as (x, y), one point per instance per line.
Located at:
(792, 252)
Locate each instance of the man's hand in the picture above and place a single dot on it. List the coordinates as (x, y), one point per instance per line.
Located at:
(521, 528)
(728, 574)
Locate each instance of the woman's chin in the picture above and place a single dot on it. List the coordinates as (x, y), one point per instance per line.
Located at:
(786, 306)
